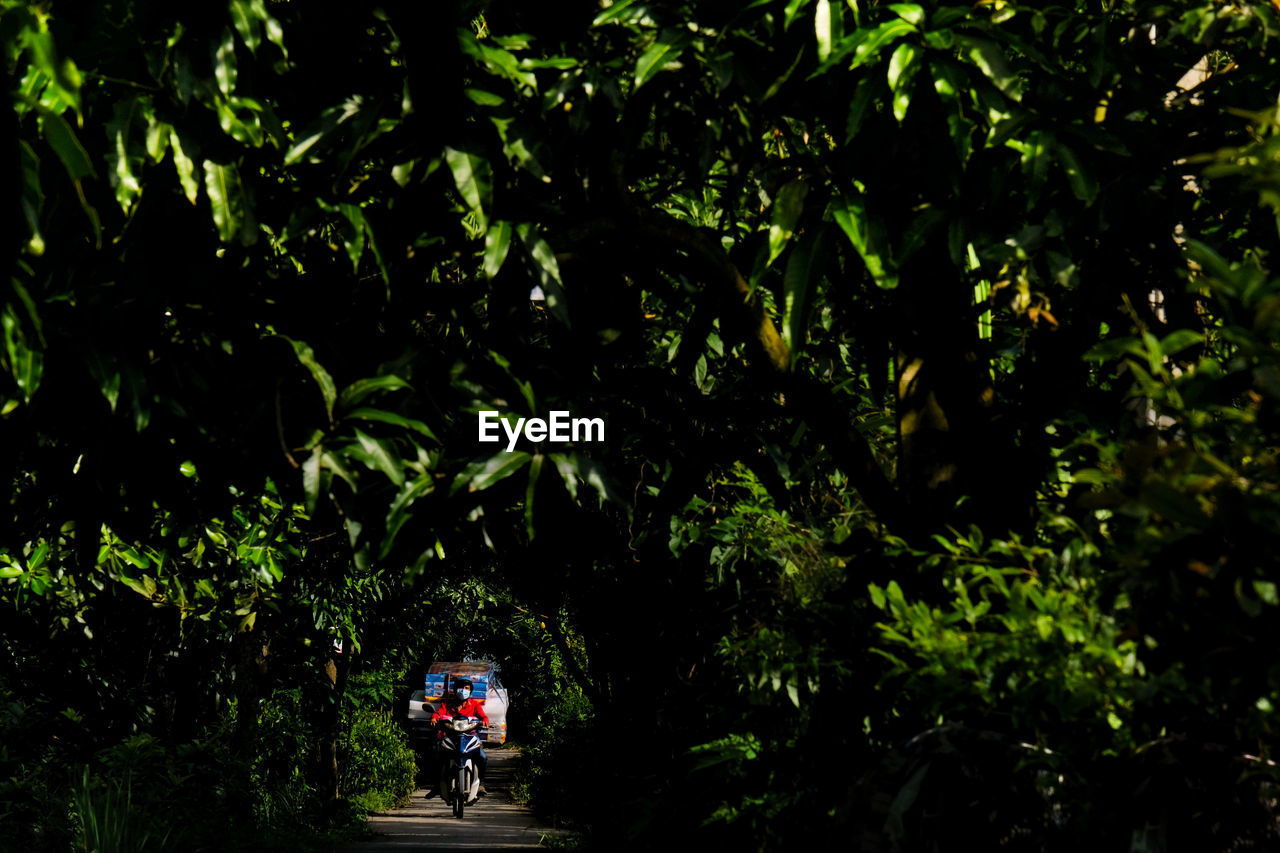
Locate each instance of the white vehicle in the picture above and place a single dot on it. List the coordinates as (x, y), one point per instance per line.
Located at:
(418, 717)
(484, 681)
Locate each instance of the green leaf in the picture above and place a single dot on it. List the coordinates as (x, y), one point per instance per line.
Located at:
(331, 119)
(544, 261)
(311, 480)
(185, 167)
(665, 50)
(575, 466)
(231, 215)
(473, 176)
(914, 235)
(106, 374)
(799, 286)
(568, 472)
(499, 62)
(822, 28)
(135, 559)
(123, 177)
(1083, 184)
(700, 373)
(909, 12)
(224, 63)
(62, 139)
(535, 470)
(867, 235)
(245, 25)
(25, 363)
(398, 514)
(379, 456)
(63, 76)
(139, 395)
(353, 233)
(483, 98)
(307, 357)
(335, 463)
(863, 94)
(479, 476)
(240, 119)
(620, 10)
(903, 66)
(366, 414)
(250, 18)
(988, 56)
(870, 42)
(1175, 342)
(1114, 348)
(792, 11)
(362, 388)
(787, 208)
(32, 198)
(497, 242)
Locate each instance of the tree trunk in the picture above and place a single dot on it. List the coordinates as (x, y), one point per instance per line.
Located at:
(333, 677)
(250, 651)
(948, 449)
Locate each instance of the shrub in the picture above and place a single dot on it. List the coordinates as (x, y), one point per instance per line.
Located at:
(555, 759)
(283, 789)
(108, 821)
(378, 767)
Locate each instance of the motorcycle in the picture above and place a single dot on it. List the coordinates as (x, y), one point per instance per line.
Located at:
(460, 766)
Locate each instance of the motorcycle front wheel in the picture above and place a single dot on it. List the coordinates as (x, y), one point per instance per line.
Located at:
(464, 789)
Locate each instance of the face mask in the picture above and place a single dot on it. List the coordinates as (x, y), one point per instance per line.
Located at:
(464, 694)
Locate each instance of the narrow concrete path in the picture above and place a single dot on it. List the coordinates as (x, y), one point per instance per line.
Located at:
(493, 823)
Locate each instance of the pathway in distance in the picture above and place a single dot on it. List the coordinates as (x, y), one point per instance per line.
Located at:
(493, 823)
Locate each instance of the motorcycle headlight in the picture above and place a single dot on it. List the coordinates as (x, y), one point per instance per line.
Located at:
(463, 725)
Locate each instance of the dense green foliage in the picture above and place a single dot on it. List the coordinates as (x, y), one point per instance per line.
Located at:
(936, 344)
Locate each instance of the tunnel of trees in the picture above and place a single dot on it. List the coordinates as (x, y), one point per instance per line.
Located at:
(935, 344)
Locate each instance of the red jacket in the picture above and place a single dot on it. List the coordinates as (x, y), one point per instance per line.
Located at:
(471, 708)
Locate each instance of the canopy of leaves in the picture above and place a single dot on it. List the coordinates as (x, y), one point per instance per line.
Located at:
(936, 345)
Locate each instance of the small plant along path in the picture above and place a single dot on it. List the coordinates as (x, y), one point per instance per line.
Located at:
(494, 822)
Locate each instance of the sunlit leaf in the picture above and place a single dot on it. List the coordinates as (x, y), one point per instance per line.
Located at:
(903, 66)
(988, 56)
(799, 287)
(909, 12)
(224, 64)
(665, 50)
(62, 139)
(367, 414)
(398, 514)
(358, 391)
(866, 234)
(535, 471)
(481, 475)
(497, 242)
(822, 28)
(473, 176)
(869, 43)
(787, 208)
(378, 455)
(231, 214)
(307, 357)
(547, 270)
(185, 167)
(25, 362)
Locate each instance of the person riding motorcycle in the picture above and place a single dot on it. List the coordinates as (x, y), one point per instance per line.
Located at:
(457, 703)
